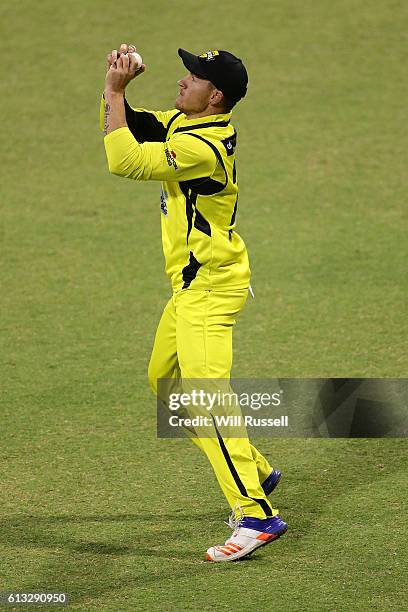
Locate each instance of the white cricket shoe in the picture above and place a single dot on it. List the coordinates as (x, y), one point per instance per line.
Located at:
(250, 533)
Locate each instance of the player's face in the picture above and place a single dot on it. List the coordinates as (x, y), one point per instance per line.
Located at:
(195, 94)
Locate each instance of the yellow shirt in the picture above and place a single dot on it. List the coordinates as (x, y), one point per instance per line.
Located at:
(195, 161)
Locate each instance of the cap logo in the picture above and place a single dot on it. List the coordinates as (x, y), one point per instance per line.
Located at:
(210, 55)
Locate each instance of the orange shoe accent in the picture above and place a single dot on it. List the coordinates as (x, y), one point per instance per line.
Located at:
(234, 547)
(266, 536)
(231, 548)
(208, 557)
(224, 550)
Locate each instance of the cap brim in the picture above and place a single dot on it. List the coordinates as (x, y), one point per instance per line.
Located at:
(191, 62)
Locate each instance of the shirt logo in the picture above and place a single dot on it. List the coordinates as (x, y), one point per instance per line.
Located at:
(230, 143)
(210, 55)
(163, 202)
(170, 158)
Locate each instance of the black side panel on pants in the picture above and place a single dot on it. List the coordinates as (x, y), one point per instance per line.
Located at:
(241, 487)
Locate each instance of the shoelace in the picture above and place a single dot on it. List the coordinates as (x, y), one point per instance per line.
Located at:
(234, 522)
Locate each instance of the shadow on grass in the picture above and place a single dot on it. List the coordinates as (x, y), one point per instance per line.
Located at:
(45, 531)
(54, 533)
(142, 550)
(88, 569)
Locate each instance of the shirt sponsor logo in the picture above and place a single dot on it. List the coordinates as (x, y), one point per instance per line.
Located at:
(163, 202)
(210, 55)
(170, 155)
(230, 144)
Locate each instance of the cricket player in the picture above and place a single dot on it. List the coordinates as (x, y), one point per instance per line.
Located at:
(191, 151)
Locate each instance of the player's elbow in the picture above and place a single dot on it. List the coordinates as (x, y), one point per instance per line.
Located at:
(125, 163)
(126, 170)
(117, 165)
(116, 168)
(115, 161)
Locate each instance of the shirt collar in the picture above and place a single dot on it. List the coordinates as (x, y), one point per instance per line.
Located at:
(207, 119)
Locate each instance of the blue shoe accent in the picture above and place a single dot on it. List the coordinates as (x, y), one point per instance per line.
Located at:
(274, 525)
(271, 482)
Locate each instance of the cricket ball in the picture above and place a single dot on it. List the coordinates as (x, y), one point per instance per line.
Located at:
(137, 57)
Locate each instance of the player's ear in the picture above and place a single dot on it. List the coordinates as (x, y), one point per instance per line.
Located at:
(217, 97)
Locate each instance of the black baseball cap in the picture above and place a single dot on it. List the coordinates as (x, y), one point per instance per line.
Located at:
(223, 69)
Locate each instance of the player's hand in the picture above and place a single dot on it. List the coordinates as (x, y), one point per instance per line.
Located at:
(114, 54)
(121, 68)
(112, 57)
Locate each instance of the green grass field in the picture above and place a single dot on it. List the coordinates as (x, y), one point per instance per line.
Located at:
(92, 503)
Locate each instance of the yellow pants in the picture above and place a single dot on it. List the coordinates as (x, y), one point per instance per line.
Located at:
(193, 341)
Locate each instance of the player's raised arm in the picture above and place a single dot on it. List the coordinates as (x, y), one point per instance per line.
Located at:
(145, 125)
(121, 71)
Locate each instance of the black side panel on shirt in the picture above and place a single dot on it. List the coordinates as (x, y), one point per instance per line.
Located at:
(190, 203)
(233, 217)
(144, 126)
(190, 271)
(200, 222)
(204, 186)
(207, 186)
